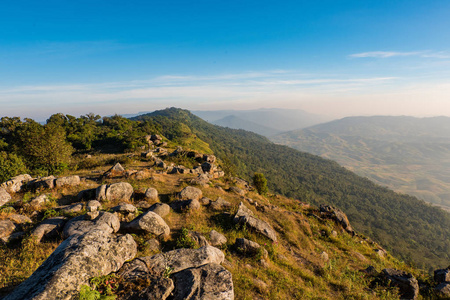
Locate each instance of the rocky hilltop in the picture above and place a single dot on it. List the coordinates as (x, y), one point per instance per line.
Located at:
(170, 223)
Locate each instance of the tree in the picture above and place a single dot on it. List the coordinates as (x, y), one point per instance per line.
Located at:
(10, 166)
(260, 182)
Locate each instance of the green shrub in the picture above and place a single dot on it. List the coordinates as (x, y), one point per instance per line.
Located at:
(10, 166)
(260, 182)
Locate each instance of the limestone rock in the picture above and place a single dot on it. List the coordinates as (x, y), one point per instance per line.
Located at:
(19, 219)
(76, 259)
(5, 197)
(249, 247)
(39, 200)
(43, 182)
(407, 283)
(49, 228)
(175, 261)
(149, 222)
(16, 183)
(73, 208)
(124, 208)
(220, 204)
(198, 238)
(151, 194)
(217, 239)
(68, 181)
(114, 192)
(205, 201)
(210, 281)
(237, 191)
(6, 228)
(337, 215)
(161, 209)
(190, 193)
(245, 216)
(93, 205)
(105, 221)
(159, 288)
(181, 205)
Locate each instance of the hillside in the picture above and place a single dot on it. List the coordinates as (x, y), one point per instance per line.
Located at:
(391, 219)
(272, 120)
(302, 253)
(409, 155)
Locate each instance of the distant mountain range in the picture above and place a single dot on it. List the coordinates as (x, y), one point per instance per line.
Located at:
(410, 155)
(265, 121)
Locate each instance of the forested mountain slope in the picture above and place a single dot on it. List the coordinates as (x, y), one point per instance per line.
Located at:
(407, 154)
(407, 226)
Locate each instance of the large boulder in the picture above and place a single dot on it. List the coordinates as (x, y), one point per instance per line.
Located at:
(76, 259)
(42, 182)
(217, 239)
(190, 193)
(210, 281)
(161, 209)
(114, 192)
(5, 197)
(79, 225)
(337, 215)
(246, 216)
(172, 261)
(148, 222)
(49, 228)
(68, 181)
(16, 183)
(406, 282)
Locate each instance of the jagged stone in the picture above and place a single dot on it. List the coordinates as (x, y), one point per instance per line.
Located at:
(442, 275)
(250, 247)
(151, 194)
(337, 215)
(16, 183)
(68, 181)
(19, 219)
(172, 261)
(407, 283)
(148, 222)
(115, 171)
(220, 204)
(246, 216)
(210, 281)
(190, 193)
(217, 239)
(161, 209)
(49, 228)
(76, 259)
(6, 228)
(5, 197)
(181, 205)
(79, 225)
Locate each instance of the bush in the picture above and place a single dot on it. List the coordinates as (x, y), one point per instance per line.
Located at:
(260, 183)
(10, 166)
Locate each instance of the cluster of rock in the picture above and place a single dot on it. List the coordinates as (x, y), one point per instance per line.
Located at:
(442, 278)
(93, 247)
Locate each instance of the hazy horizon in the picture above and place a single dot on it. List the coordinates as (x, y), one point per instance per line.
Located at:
(328, 58)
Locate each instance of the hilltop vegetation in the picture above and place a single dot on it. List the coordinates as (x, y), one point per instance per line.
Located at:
(411, 229)
(409, 155)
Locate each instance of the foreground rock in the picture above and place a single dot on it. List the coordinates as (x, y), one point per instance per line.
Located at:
(407, 283)
(6, 228)
(116, 191)
(176, 261)
(77, 259)
(105, 221)
(210, 281)
(245, 216)
(68, 181)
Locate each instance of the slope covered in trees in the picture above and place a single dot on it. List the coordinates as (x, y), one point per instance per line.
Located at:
(407, 226)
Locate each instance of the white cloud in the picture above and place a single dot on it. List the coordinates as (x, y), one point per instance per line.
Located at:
(388, 54)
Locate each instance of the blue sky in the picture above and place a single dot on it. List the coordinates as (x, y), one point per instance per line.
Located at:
(336, 58)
